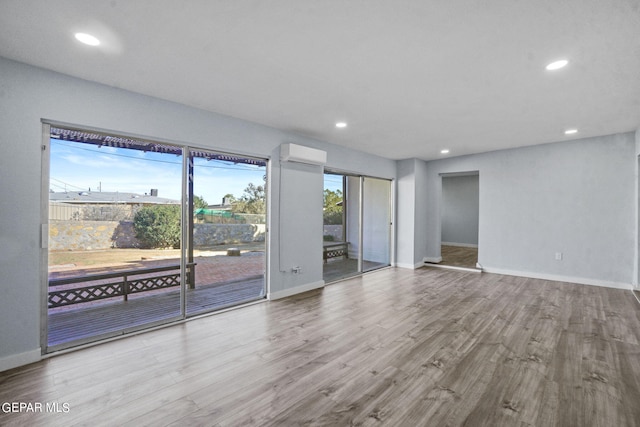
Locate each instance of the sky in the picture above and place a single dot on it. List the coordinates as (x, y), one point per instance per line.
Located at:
(333, 182)
(83, 167)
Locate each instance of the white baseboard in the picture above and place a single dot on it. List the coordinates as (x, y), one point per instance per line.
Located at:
(432, 259)
(453, 267)
(15, 360)
(558, 278)
(297, 290)
(409, 266)
(462, 245)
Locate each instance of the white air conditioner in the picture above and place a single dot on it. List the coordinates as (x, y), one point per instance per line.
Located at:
(301, 154)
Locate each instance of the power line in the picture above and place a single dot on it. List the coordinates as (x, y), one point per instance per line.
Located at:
(237, 167)
(66, 183)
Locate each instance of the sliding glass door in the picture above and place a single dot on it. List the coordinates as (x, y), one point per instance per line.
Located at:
(357, 225)
(376, 223)
(341, 228)
(227, 231)
(114, 236)
(143, 233)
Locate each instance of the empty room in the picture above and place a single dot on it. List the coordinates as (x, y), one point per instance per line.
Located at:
(335, 213)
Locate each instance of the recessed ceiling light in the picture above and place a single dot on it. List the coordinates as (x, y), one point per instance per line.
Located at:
(445, 151)
(570, 131)
(556, 65)
(341, 125)
(87, 39)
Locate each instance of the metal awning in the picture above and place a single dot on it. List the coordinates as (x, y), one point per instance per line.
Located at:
(104, 140)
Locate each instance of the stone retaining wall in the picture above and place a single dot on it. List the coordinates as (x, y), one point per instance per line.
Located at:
(333, 230)
(220, 234)
(92, 235)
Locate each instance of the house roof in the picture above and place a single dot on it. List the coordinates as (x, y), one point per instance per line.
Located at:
(108, 197)
(409, 77)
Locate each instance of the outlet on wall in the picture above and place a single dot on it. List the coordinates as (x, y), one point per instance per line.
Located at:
(558, 256)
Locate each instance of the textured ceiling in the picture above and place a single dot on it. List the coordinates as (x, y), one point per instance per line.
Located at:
(410, 77)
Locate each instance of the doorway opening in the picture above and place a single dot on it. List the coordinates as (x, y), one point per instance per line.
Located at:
(143, 233)
(460, 220)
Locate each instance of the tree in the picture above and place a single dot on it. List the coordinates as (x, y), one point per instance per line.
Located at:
(252, 201)
(158, 226)
(199, 203)
(332, 210)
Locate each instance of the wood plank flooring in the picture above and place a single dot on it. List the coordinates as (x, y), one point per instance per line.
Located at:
(397, 347)
(459, 256)
(338, 269)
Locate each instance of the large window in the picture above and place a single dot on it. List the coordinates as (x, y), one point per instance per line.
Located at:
(143, 233)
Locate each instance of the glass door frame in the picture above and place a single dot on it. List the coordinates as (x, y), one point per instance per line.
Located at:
(361, 179)
(186, 203)
(187, 244)
(390, 225)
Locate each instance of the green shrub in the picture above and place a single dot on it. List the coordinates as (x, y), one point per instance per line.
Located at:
(158, 226)
(332, 218)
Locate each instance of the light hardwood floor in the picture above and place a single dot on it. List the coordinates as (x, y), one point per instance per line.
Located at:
(459, 256)
(397, 347)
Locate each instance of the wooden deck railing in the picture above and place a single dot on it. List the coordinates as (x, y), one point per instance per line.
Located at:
(335, 249)
(128, 284)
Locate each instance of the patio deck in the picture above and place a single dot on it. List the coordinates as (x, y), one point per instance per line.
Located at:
(118, 317)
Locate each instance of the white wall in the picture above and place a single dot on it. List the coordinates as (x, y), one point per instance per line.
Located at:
(299, 229)
(412, 231)
(576, 197)
(405, 221)
(460, 198)
(29, 94)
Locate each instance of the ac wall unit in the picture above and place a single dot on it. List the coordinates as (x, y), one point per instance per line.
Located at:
(301, 154)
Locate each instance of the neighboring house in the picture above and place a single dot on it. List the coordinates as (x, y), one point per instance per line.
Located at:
(224, 206)
(101, 205)
(110, 197)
